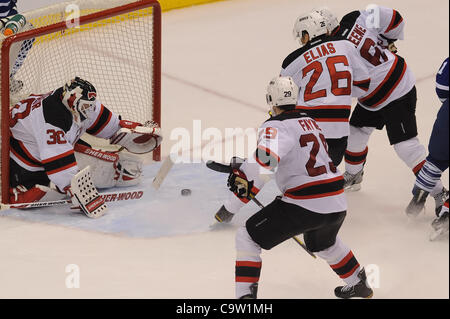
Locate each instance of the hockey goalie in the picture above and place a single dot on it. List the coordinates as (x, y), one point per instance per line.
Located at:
(49, 161)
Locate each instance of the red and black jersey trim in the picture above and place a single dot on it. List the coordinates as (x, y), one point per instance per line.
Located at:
(363, 85)
(248, 271)
(266, 158)
(395, 21)
(19, 150)
(390, 82)
(355, 158)
(416, 169)
(346, 267)
(100, 123)
(327, 113)
(60, 163)
(322, 188)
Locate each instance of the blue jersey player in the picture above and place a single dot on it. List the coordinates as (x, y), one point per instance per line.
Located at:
(8, 8)
(438, 158)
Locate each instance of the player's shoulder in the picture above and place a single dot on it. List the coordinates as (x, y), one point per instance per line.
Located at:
(293, 56)
(347, 22)
(287, 115)
(55, 113)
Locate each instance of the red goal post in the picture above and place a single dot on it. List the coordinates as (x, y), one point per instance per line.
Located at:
(114, 44)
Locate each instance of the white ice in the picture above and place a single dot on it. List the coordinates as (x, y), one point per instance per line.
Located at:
(217, 61)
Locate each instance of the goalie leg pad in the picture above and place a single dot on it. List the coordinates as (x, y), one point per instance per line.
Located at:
(85, 195)
(129, 170)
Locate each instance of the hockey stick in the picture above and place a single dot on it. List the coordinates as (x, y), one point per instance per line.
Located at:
(166, 166)
(107, 196)
(222, 168)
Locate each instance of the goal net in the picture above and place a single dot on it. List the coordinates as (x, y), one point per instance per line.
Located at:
(114, 44)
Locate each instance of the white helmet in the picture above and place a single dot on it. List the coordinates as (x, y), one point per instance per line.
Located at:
(313, 23)
(330, 19)
(282, 91)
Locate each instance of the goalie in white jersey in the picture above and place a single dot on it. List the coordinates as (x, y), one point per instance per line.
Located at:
(46, 153)
(313, 201)
(328, 72)
(391, 98)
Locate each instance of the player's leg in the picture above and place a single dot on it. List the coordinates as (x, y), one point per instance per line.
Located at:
(362, 124)
(437, 161)
(401, 129)
(30, 186)
(276, 223)
(328, 246)
(336, 149)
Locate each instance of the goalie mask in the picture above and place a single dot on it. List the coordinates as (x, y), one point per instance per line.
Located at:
(282, 92)
(79, 96)
(312, 23)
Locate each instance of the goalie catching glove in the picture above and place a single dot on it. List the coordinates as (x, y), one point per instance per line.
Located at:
(137, 138)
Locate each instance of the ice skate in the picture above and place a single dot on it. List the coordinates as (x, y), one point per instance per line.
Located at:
(253, 292)
(360, 290)
(440, 227)
(352, 182)
(440, 199)
(417, 203)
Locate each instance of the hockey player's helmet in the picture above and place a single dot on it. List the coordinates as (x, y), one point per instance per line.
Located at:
(282, 92)
(79, 96)
(312, 23)
(330, 19)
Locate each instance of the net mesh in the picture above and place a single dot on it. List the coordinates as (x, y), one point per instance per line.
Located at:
(114, 53)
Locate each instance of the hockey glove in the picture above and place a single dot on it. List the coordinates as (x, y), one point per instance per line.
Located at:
(137, 138)
(239, 185)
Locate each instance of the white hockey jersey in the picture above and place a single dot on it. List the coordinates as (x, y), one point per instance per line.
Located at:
(293, 145)
(43, 135)
(328, 72)
(369, 32)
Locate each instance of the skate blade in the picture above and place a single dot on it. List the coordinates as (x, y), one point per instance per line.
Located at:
(221, 226)
(353, 188)
(438, 234)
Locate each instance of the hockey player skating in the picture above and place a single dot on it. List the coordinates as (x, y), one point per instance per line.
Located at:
(313, 201)
(391, 98)
(328, 72)
(46, 153)
(437, 159)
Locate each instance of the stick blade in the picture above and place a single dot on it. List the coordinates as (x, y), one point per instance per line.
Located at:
(162, 173)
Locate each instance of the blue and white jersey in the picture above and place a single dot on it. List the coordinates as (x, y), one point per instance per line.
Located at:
(442, 81)
(8, 8)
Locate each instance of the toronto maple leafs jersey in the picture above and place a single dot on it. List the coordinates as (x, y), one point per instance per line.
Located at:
(43, 135)
(328, 72)
(370, 32)
(442, 81)
(7, 8)
(294, 147)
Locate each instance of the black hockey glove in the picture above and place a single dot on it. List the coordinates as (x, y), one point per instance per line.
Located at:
(239, 185)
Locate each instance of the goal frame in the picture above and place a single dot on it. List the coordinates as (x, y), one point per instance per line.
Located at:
(58, 27)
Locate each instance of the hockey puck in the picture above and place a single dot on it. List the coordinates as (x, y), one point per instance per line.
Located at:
(186, 192)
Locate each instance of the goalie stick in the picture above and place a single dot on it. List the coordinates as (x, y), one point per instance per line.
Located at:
(165, 168)
(222, 168)
(107, 196)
